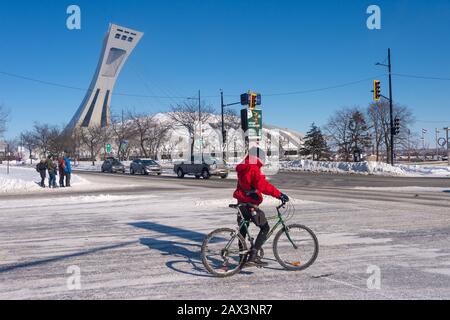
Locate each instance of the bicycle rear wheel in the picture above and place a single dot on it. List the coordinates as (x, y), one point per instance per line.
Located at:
(295, 247)
(224, 252)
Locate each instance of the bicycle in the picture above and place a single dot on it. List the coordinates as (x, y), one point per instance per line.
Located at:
(229, 250)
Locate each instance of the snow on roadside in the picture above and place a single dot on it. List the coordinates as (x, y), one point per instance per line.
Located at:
(404, 189)
(24, 179)
(368, 167)
(74, 200)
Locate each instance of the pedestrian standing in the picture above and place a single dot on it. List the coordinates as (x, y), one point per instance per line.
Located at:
(61, 168)
(41, 167)
(51, 167)
(67, 170)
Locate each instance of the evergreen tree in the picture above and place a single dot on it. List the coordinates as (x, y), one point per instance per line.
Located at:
(314, 144)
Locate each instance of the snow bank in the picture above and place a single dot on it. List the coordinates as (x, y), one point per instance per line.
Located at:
(370, 167)
(23, 179)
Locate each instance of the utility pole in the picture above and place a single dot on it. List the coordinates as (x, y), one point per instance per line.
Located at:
(200, 123)
(224, 132)
(409, 145)
(437, 146)
(122, 138)
(224, 138)
(391, 109)
(447, 129)
(7, 158)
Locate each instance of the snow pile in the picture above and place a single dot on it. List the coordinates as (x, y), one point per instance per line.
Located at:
(424, 170)
(368, 167)
(22, 179)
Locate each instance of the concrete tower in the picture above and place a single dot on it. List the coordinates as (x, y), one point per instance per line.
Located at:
(95, 109)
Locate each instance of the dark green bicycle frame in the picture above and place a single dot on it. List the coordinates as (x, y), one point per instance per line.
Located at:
(272, 230)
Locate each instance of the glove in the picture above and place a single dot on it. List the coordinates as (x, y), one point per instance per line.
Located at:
(284, 198)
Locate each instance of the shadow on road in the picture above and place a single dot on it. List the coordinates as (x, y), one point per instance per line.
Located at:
(36, 263)
(178, 249)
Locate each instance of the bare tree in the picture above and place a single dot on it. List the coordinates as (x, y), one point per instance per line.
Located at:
(338, 129)
(123, 133)
(93, 138)
(4, 116)
(42, 135)
(187, 115)
(376, 128)
(379, 121)
(348, 131)
(149, 132)
(29, 141)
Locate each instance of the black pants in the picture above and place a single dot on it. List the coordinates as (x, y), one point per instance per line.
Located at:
(258, 217)
(43, 175)
(67, 179)
(61, 178)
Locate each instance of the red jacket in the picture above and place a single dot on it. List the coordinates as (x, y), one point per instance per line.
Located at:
(251, 178)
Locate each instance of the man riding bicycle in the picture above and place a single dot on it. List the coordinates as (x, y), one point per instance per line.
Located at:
(252, 184)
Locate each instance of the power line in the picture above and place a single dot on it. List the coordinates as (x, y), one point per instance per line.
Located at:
(83, 89)
(420, 77)
(181, 97)
(321, 89)
(432, 121)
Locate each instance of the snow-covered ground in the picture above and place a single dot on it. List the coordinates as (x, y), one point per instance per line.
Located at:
(371, 167)
(147, 246)
(24, 179)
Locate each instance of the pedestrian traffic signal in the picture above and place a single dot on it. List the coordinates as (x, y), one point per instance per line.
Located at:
(396, 126)
(376, 90)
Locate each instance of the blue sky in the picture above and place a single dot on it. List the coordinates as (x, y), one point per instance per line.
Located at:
(268, 46)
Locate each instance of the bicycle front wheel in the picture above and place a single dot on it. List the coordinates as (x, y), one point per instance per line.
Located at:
(224, 252)
(295, 247)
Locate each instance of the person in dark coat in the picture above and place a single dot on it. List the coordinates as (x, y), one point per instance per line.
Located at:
(61, 168)
(67, 170)
(52, 172)
(41, 167)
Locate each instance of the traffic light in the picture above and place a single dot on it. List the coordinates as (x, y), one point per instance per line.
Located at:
(252, 103)
(251, 99)
(244, 99)
(396, 126)
(376, 90)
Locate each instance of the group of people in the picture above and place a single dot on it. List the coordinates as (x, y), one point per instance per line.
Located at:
(54, 166)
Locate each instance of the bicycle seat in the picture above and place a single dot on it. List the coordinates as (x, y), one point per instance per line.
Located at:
(235, 206)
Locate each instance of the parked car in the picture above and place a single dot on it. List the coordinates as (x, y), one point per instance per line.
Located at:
(210, 167)
(112, 165)
(145, 166)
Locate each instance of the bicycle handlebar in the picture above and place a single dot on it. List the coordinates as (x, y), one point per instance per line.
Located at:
(283, 203)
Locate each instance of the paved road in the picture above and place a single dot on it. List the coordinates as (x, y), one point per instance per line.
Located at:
(139, 237)
(312, 185)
